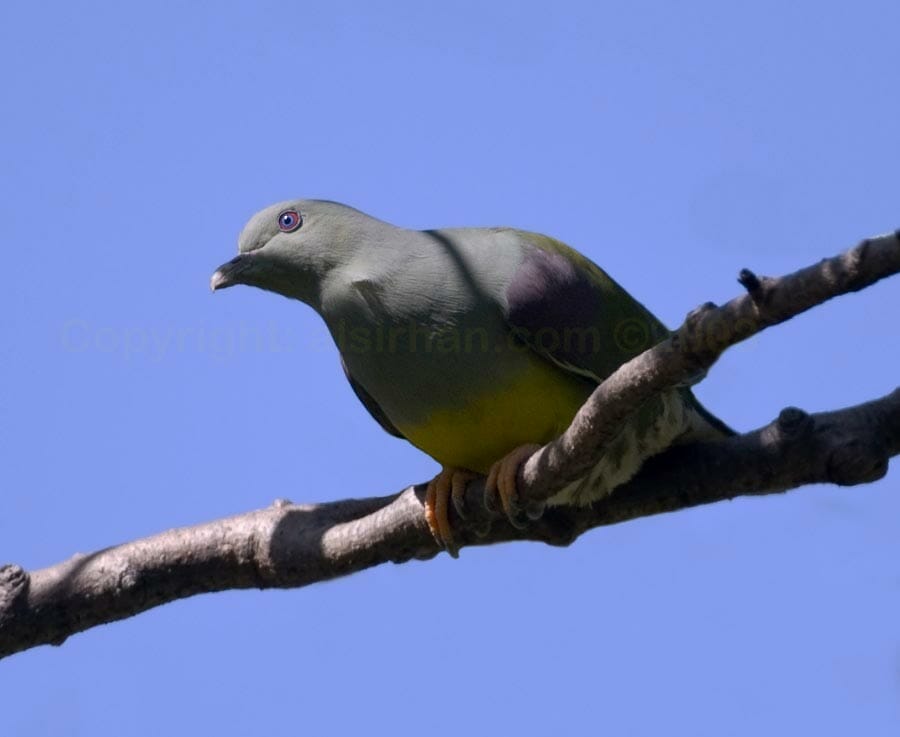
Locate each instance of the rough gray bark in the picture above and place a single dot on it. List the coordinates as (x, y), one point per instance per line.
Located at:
(289, 545)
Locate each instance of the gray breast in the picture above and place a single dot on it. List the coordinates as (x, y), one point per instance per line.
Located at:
(423, 327)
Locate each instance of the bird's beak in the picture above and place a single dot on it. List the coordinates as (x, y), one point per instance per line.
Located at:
(229, 274)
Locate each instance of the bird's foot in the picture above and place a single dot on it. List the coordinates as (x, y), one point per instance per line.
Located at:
(450, 483)
(501, 481)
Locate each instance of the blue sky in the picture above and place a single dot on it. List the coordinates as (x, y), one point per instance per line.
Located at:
(672, 143)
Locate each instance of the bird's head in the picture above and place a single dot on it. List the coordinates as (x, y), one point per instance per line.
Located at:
(291, 247)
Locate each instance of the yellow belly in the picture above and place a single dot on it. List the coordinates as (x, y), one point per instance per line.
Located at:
(534, 407)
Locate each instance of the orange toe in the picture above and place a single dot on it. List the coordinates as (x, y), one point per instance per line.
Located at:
(458, 485)
(449, 483)
(501, 481)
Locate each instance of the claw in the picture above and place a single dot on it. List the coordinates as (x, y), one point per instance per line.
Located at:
(490, 489)
(501, 481)
(535, 510)
(458, 485)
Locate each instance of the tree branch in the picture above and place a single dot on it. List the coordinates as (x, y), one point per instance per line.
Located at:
(693, 349)
(288, 545)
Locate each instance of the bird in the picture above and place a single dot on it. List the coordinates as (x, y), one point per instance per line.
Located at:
(476, 345)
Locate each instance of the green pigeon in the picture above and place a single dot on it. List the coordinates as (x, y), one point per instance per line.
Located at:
(477, 345)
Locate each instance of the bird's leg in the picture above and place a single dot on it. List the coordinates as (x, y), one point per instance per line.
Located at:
(501, 481)
(449, 483)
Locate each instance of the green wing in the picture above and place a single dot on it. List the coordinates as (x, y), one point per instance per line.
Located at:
(569, 310)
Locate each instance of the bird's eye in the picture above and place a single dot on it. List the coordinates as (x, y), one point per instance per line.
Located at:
(289, 220)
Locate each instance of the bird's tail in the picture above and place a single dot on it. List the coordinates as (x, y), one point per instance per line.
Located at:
(704, 425)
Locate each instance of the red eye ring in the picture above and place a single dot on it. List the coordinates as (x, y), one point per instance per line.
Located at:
(289, 221)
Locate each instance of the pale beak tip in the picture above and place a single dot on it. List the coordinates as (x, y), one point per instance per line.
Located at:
(217, 280)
